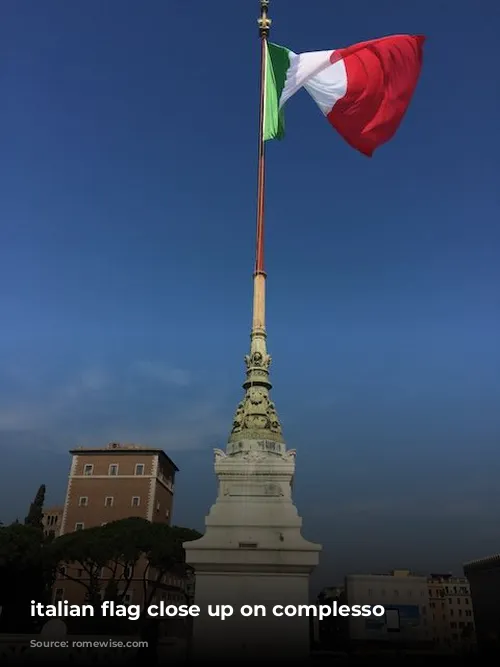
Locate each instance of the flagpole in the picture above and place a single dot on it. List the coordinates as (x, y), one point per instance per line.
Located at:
(259, 323)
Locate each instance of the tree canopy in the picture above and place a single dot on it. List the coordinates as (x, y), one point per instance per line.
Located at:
(118, 547)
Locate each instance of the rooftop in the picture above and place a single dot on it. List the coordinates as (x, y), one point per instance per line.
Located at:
(486, 561)
(125, 448)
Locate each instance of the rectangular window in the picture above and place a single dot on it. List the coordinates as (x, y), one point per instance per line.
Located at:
(139, 469)
(84, 501)
(88, 469)
(136, 501)
(108, 501)
(79, 526)
(113, 470)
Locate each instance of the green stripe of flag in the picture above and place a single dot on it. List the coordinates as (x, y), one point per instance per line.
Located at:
(277, 65)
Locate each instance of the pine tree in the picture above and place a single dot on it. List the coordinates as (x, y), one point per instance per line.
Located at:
(35, 514)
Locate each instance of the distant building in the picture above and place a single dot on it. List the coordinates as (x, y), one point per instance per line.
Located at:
(405, 598)
(52, 520)
(112, 483)
(117, 482)
(484, 579)
(451, 613)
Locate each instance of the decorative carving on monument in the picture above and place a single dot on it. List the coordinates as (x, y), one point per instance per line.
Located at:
(253, 456)
(256, 413)
(257, 360)
(290, 455)
(273, 490)
(239, 418)
(219, 454)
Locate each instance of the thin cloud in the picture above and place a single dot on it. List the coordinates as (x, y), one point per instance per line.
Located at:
(163, 373)
(93, 408)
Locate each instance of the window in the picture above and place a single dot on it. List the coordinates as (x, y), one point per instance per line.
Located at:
(136, 501)
(78, 526)
(59, 594)
(158, 506)
(167, 513)
(88, 469)
(466, 600)
(113, 469)
(460, 612)
(84, 501)
(108, 501)
(139, 469)
(468, 612)
(453, 625)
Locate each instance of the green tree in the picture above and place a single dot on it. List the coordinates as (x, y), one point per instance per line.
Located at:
(164, 554)
(109, 547)
(35, 514)
(123, 551)
(127, 550)
(25, 574)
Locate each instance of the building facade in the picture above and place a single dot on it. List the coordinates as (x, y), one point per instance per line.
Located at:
(52, 520)
(109, 484)
(483, 575)
(451, 613)
(406, 601)
(117, 482)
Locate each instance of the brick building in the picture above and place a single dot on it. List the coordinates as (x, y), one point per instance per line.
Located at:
(116, 482)
(112, 483)
(51, 520)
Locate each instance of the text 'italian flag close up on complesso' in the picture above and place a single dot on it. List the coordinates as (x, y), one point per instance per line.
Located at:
(363, 90)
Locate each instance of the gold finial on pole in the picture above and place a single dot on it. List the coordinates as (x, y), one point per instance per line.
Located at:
(264, 21)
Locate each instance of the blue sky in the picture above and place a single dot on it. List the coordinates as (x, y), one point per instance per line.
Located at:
(127, 213)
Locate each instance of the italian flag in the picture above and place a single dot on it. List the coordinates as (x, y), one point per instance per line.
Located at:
(363, 90)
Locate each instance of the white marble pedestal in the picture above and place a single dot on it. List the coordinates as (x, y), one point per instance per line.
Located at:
(252, 553)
